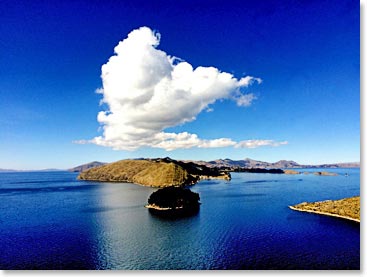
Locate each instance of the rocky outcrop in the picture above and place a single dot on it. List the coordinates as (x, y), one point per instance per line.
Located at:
(223, 176)
(347, 208)
(173, 202)
(291, 172)
(318, 173)
(325, 173)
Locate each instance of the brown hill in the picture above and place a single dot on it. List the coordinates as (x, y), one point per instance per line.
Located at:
(348, 208)
(143, 172)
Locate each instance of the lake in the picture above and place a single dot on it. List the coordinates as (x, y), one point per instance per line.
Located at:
(50, 220)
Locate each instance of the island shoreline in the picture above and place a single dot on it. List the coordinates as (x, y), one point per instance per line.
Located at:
(324, 213)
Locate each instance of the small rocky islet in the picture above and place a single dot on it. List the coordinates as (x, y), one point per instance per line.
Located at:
(173, 202)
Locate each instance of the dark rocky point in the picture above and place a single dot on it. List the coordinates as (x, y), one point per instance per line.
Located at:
(173, 202)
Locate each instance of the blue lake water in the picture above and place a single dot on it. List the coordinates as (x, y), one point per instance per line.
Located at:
(50, 220)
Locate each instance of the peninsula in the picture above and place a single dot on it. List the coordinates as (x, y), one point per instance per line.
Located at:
(347, 208)
(153, 172)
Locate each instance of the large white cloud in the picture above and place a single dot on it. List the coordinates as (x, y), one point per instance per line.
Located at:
(147, 91)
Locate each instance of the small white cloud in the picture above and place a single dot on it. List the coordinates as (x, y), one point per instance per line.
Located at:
(215, 143)
(249, 80)
(147, 91)
(245, 100)
(81, 141)
(259, 143)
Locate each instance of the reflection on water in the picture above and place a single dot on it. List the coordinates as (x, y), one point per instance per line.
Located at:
(52, 221)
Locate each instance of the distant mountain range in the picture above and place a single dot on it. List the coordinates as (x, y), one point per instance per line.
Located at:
(84, 167)
(7, 170)
(249, 163)
(246, 163)
(18, 170)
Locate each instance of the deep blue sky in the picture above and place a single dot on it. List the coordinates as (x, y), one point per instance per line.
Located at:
(306, 53)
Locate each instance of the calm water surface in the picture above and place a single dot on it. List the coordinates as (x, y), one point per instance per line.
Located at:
(49, 220)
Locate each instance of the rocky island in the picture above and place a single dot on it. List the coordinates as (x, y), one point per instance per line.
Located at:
(347, 208)
(173, 202)
(325, 173)
(317, 173)
(153, 172)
